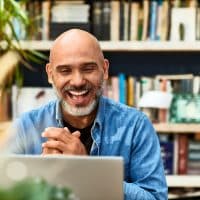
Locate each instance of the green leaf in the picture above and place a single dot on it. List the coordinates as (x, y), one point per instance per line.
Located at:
(35, 189)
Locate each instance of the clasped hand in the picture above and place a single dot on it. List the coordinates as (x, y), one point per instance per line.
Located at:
(62, 141)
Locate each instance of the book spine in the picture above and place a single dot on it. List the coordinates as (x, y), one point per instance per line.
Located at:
(115, 21)
(182, 153)
(106, 10)
(97, 19)
(122, 88)
(153, 20)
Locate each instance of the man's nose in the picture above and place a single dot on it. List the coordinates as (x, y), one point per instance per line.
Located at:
(77, 79)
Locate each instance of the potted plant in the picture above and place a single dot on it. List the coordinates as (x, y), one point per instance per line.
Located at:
(12, 19)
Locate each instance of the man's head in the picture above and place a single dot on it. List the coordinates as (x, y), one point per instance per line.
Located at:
(77, 69)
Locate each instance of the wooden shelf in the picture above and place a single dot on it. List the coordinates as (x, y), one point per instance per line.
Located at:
(125, 45)
(183, 181)
(176, 128)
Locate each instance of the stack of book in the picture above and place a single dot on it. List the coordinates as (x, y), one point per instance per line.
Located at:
(66, 15)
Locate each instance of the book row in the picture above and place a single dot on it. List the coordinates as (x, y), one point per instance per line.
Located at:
(170, 98)
(114, 19)
(180, 153)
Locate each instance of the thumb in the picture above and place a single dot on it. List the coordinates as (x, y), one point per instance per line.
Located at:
(76, 134)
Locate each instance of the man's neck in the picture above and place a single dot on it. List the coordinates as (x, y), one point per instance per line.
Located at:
(79, 121)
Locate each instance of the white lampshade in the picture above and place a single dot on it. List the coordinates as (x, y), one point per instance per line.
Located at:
(155, 99)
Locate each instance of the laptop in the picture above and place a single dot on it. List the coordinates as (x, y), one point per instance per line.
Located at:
(89, 177)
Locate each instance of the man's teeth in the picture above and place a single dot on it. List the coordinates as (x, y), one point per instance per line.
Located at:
(78, 93)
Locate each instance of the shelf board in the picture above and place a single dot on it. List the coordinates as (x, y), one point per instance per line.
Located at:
(125, 46)
(183, 181)
(176, 128)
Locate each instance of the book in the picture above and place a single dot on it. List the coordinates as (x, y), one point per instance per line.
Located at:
(122, 88)
(68, 11)
(115, 21)
(126, 21)
(145, 19)
(97, 19)
(106, 11)
(182, 153)
(115, 87)
(163, 112)
(153, 20)
(131, 91)
(167, 151)
(134, 20)
(57, 28)
(183, 24)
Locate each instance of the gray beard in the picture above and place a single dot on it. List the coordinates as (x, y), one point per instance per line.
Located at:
(80, 111)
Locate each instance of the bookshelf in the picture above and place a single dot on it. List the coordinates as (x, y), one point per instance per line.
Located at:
(176, 128)
(125, 46)
(183, 181)
(133, 48)
(144, 50)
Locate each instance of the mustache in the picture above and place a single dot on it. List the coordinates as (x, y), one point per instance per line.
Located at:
(78, 88)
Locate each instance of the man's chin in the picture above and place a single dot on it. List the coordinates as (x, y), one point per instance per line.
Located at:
(79, 110)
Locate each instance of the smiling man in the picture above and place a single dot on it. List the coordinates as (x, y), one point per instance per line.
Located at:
(83, 122)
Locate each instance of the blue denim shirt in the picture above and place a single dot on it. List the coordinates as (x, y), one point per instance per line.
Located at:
(118, 130)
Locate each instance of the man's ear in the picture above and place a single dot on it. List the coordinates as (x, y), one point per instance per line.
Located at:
(49, 72)
(105, 69)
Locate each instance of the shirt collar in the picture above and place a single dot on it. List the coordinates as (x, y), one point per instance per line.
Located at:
(100, 112)
(59, 118)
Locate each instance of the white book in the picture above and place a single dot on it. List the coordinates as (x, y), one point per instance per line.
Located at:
(185, 18)
(134, 20)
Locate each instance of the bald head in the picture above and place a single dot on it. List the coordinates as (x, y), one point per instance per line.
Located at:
(75, 40)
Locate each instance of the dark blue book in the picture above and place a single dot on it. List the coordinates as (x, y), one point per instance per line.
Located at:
(167, 153)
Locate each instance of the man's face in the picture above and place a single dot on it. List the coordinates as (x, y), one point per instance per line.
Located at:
(77, 77)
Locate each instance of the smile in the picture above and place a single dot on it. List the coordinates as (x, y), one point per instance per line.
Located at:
(79, 97)
(78, 93)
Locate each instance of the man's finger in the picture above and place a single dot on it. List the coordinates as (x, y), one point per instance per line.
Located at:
(76, 134)
(57, 134)
(54, 144)
(47, 151)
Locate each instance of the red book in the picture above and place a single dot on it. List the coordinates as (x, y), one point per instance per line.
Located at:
(182, 153)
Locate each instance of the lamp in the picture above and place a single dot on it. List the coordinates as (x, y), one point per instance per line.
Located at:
(155, 104)
(155, 99)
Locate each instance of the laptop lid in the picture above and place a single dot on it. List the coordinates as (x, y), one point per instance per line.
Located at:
(90, 178)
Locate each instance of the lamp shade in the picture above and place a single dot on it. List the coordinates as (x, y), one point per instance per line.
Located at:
(155, 99)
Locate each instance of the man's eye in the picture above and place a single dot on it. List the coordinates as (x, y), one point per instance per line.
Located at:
(65, 71)
(88, 69)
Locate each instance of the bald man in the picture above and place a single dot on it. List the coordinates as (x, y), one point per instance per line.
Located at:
(83, 122)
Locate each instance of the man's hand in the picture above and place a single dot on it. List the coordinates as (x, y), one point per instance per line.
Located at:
(61, 141)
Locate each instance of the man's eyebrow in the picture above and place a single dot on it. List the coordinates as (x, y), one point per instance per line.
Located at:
(89, 63)
(82, 64)
(62, 66)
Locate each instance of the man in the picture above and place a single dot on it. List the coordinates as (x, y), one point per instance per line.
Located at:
(83, 122)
